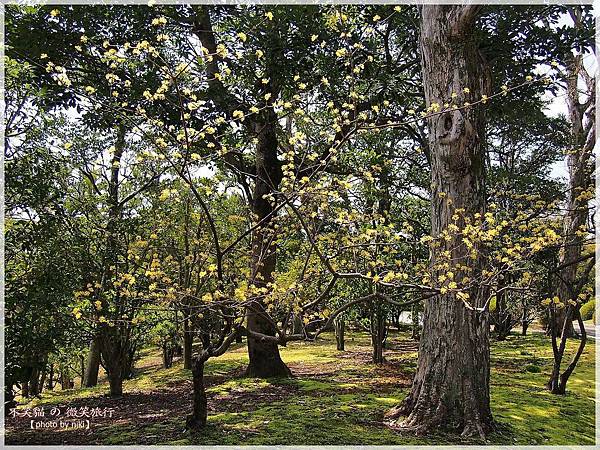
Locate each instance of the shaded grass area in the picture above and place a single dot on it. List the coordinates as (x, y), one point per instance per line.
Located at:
(334, 398)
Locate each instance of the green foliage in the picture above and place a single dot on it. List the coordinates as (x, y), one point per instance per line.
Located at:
(533, 368)
(588, 310)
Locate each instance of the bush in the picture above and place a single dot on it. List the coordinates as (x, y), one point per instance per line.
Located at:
(533, 368)
(587, 310)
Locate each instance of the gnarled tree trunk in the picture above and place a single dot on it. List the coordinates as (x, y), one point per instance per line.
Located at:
(451, 386)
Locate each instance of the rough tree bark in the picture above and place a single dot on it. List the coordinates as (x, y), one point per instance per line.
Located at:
(93, 364)
(264, 358)
(451, 386)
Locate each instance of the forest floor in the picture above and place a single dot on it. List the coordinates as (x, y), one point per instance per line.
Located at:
(334, 398)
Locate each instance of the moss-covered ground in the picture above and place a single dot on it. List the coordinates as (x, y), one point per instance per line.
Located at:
(333, 398)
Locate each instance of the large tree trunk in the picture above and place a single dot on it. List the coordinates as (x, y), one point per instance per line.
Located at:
(114, 358)
(451, 385)
(264, 358)
(93, 364)
(115, 382)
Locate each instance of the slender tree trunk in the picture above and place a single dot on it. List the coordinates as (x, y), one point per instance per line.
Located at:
(501, 316)
(114, 340)
(524, 318)
(51, 377)
(582, 116)
(451, 385)
(168, 351)
(188, 341)
(558, 381)
(340, 329)
(378, 324)
(264, 358)
(42, 379)
(93, 364)
(197, 419)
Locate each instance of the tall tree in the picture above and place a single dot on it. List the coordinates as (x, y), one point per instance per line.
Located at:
(572, 260)
(451, 386)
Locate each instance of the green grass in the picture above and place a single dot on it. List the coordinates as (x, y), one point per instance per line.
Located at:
(340, 398)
